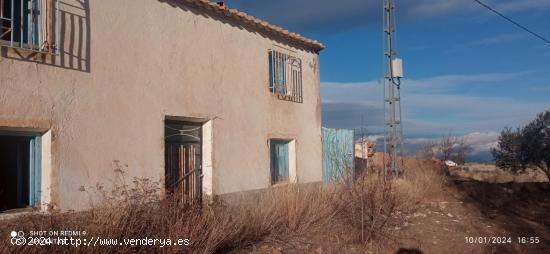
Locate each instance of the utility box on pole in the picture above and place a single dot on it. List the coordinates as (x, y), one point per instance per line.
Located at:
(397, 68)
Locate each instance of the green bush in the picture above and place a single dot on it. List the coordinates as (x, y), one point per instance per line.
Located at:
(528, 146)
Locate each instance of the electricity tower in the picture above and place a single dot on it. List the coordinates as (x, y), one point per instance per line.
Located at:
(393, 130)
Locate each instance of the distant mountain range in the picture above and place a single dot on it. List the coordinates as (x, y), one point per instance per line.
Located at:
(480, 143)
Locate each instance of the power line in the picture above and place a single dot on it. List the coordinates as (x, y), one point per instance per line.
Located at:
(513, 22)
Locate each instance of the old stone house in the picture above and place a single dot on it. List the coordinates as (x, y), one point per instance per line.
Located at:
(201, 98)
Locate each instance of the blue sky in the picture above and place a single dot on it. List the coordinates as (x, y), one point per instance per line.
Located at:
(467, 70)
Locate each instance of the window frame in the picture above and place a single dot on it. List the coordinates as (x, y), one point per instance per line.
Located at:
(285, 74)
(276, 176)
(35, 166)
(34, 23)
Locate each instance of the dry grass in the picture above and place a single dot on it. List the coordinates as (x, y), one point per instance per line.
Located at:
(422, 179)
(361, 211)
(370, 206)
(276, 215)
(492, 174)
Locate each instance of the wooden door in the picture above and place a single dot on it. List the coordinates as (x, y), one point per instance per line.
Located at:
(183, 161)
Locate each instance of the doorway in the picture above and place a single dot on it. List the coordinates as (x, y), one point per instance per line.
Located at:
(183, 160)
(19, 170)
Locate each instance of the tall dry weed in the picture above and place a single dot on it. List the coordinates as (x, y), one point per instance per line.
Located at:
(363, 208)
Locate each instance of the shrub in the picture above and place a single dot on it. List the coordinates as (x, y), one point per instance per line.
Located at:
(525, 146)
(507, 155)
(535, 145)
(368, 205)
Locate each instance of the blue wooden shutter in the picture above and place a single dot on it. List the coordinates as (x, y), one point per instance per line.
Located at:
(277, 68)
(271, 71)
(279, 161)
(35, 17)
(35, 172)
(274, 162)
(283, 74)
(283, 160)
(278, 71)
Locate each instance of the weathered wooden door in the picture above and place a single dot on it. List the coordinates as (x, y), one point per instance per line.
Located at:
(183, 167)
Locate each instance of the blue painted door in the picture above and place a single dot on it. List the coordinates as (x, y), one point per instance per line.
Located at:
(35, 172)
(338, 154)
(279, 161)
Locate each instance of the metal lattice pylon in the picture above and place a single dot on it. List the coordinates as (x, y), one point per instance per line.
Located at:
(393, 130)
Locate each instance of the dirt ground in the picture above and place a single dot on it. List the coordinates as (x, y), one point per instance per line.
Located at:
(482, 209)
(450, 222)
(463, 216)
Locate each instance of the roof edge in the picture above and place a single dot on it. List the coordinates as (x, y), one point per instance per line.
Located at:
(242, 17)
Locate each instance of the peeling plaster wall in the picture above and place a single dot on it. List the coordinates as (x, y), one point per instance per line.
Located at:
(125, 65)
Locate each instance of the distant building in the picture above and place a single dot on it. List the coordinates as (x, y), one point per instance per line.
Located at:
(202, 98)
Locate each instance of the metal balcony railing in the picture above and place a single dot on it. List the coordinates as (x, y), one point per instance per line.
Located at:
(30, 24)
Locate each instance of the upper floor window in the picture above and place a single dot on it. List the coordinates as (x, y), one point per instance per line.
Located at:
(285, 75)
(28, 24)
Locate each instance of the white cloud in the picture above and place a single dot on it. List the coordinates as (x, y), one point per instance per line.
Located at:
(448, 82)
(434, 105)
(487, 41)
(480, 142)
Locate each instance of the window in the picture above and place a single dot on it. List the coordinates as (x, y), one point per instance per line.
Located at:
(20, 170)
(28, 24)
(279, 161)
(285, 75)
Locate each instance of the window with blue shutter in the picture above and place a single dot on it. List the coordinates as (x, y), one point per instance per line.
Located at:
(285, 75)
(279, 160)
(28, 24)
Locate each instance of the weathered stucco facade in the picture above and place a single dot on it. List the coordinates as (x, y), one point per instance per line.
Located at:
(127, 65)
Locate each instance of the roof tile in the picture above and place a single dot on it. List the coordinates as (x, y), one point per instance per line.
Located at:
(243, 17)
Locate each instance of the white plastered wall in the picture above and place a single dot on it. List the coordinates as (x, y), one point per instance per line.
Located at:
(46, 171)
(207, 162)
(112, 109)
(292, 173)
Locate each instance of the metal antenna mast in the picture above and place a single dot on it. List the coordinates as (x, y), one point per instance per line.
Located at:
(393, 131)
